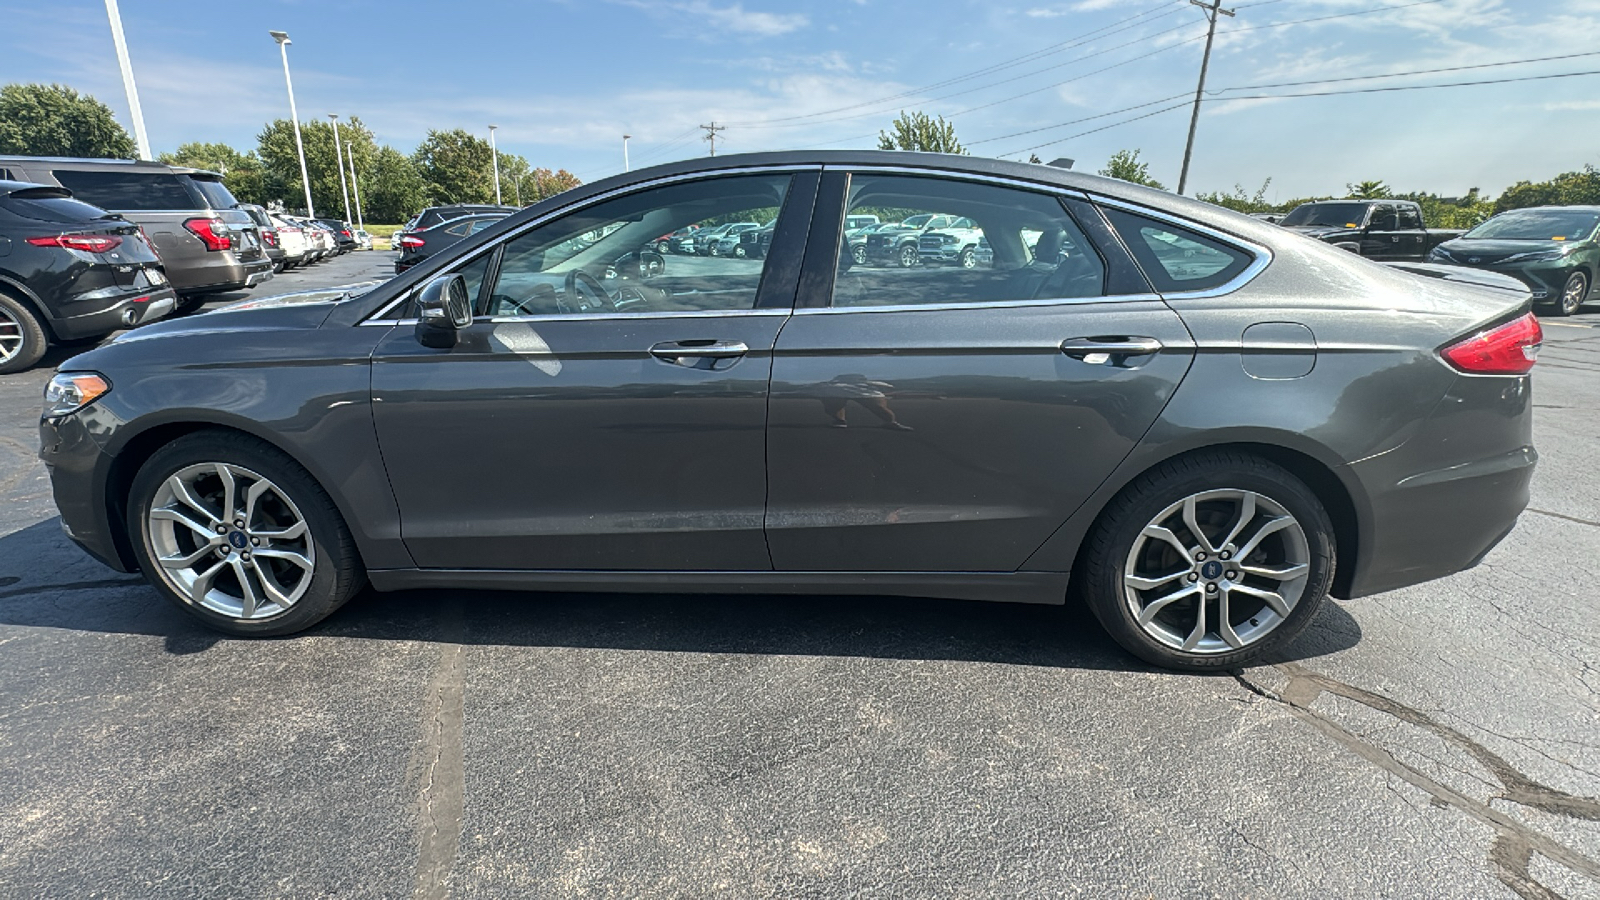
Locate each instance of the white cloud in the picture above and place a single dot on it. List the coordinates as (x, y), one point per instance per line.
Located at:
(734, 18)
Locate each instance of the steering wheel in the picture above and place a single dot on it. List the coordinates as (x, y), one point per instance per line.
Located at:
(580, 283)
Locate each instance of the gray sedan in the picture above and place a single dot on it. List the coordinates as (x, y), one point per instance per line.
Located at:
(1196, 423)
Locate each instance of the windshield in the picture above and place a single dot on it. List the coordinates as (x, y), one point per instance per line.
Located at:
(1538, 225)
(1333, 215)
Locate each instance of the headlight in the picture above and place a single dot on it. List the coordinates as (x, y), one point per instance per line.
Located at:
(1441, 254)
(1538, 256)
(69, 392)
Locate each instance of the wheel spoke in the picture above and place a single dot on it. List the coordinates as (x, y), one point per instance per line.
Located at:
(1189, 510)
(250, 498)
(1156, 532)
(1247, 513)
(298, 559)
(270, 587)
(168, 514)
(1283, 573)
(290, 533)
(1199, 632)
(202, 584)
(229, 488)
(247, 589)
(1141, 583)
(1273, 600)
(182, 490)
(1154, 607)
(1225, 620)
(1271, 526)
(184, 562)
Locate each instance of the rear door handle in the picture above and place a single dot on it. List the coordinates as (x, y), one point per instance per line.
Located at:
(1101, 350)
(674, 351)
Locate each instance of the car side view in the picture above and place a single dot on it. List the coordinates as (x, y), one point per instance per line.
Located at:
(1199, 424)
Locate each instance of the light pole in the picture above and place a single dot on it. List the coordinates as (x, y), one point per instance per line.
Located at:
(282, 37)
(139, 136)
(356, 186)
(496, 154)
(625, 166)
(338, 163)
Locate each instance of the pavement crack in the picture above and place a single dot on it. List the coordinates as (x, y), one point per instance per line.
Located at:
(1305, 686)
(1556, 515)
(72, 586)
(436, 765)
(1511, 858)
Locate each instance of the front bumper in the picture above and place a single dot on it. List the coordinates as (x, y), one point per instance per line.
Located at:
(1545, 279)
(77, 468)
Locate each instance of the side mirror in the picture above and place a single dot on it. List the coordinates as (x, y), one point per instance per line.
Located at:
(443, 309)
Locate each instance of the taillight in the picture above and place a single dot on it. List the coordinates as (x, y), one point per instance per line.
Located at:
(90, 243)
(412, 242)
(1509, 349)
(345, 232)
(149, 243)
(269, 237)
(211, 232)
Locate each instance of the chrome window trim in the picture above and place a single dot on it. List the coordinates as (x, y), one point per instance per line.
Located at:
(600, 198)
(613, 316)
(1036, 186)
(987, 304)
(1261, 255)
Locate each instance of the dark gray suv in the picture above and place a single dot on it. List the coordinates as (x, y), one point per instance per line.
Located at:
(1197, 423)
(207, 244)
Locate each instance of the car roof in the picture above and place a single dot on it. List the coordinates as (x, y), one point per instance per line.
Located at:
(89, 161)
(11, 187)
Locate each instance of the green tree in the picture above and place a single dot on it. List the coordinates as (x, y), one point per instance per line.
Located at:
(55, 120)
(457, 166)
(1451, 212)
(281, 162)
(392, 190)
(241, 172)
(917, 131)
(1240, 201)
(1369, 190)
(1125, 165)
(1566, 189)
(541, 183)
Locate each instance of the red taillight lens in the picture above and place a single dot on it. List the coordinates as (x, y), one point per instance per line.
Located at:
(91, 243)
(1509, 349)
(211, 232)
(269, 237)
(412, 242)
(345, 232)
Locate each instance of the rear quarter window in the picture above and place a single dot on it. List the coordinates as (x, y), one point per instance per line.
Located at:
(128, 190)
(216, 193)
(1175, 258)
(48, 208)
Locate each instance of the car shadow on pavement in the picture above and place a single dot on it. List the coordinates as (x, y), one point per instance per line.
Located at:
(60, 587)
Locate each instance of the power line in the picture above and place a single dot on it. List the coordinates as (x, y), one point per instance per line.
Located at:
(1080, 134)
(1346, 15)
(1412, 87)
(1114, 112)
(1511, 62)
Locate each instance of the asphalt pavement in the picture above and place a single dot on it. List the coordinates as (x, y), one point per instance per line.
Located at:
(1439, 741)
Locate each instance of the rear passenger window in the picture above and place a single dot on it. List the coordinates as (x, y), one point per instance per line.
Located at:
(946, 241)
(1175, 258)
(128, 190)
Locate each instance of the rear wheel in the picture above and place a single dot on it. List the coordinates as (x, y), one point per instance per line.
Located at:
(189, 303)
(240, 536)
(22, 337)
(1572, 294)
(1209, 562)
(908, 256)
(858, 252)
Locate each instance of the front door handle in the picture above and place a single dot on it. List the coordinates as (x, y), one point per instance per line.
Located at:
(1115, 350)
(699, 354)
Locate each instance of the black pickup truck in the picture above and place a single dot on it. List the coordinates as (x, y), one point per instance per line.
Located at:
(1376, 229)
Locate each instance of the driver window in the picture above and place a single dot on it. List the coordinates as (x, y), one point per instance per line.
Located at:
(689, 247)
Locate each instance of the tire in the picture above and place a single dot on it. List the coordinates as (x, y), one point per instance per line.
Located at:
(23, 341)
(662, 248)
(311, 573)
(909, 256)
(739, 252)
(189, 303)
(1573, 293)
(968, 259)
(1121, 549)
(858, 252)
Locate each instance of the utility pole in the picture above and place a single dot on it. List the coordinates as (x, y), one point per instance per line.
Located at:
(1211, 10)
(711, 134)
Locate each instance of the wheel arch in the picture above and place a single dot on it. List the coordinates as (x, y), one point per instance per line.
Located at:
(1318, 472)
(17, 290)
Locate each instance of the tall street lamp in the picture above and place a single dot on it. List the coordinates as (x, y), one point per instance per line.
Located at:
(496, 154)
(282, 37)
(338, 163)
(139, 136)
(625, 166)
(356, 186)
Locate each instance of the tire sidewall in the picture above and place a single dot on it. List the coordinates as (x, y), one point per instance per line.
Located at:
(1103, 583)
(34, 339)
(1561, 302)
(325, 593)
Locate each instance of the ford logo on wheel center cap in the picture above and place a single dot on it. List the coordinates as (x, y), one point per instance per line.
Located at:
(238, 540)
(1211, 570)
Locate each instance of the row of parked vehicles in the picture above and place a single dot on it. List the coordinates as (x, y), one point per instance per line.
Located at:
(90, 246)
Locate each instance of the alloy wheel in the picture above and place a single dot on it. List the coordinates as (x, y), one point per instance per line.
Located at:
(908, 257)
(1572, 294)
(1216, 571)
(231, 541)
(11, 336)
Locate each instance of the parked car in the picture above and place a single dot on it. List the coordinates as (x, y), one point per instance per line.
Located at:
(270, 241)
(955, 244)
(437, 215)
(897, 244)
(325, 236)
(1376, 229)
(753, 243)
(419, 245)
(516, 420)
(727, 244)
(343, 235)
(69, 272)
(1272, 217)
(1554, 250)
(680, 241)
(363, 240)
(707, 237)
(207, 244)
(292, 238)
(858, 222)
(857, 239)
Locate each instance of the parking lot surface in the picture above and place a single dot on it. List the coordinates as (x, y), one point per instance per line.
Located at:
(1439, 741)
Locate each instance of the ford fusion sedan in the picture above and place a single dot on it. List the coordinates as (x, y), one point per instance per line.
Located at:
(1555, 250)
(1198, 424)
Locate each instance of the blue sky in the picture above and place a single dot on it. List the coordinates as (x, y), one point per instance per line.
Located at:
(565, 80)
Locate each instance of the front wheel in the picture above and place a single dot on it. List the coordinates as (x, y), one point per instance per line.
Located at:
(908, 256)
(968, 259)
(1572, 294)
(22, 338)
(189, 303)
(858, 253)
(240, 536)
(1208, 562)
